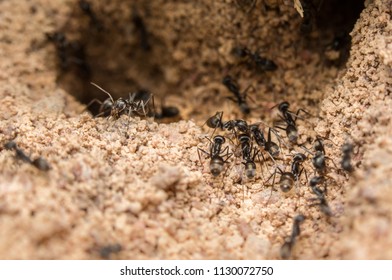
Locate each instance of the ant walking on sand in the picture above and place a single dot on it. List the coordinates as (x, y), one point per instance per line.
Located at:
(319, 156)
(85, 6)
(261, 64)
(290, 119)
(289, 178)
(38, 162)
(347, 150)
(239, 98)
(320, 195)
(116, 108)
(249, 159)
(218, 157)
(286, 249)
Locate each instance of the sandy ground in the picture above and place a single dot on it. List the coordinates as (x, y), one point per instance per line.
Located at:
(135, 189)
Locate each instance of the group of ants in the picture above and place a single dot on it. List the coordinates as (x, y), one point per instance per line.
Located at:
(252, 146)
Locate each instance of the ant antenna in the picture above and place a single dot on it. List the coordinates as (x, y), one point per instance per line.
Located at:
(97, 86)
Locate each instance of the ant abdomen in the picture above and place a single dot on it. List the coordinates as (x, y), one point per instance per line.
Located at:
(216, 166)
(250, 169)
(286, 182)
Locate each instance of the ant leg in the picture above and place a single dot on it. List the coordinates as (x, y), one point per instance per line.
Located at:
(198, 152)
(95, 100)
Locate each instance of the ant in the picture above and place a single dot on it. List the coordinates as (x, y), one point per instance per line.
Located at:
(296, 165)
(239, 98)
(61, 44)
(85, 6)
(249, 160)
(319, 158)
(271, 147)
(308, 15)
(347, 150)
(285, 250)
(70, 52)
(262, 64)
(39, 162)
(138, 22)
(287, 117)
(320, 195)
(105, 252)
(287, 179)
(115, 108)
(218, 157)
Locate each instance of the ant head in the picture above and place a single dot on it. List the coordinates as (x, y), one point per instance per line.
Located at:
(284, 106)
(120, 105)
(240, 51)
(299, 157)
(107, 105)
(10, 145)
(243, 138)
(347, 148)
(219, 139)
(227, 80)
(299, 218)
(241, 125)
(269, 65)
(245, 108)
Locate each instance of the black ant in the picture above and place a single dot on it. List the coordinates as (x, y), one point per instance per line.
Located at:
(218, 157)
(309, 11)
(106, 251)
(261, 63)
(140, 26)
(319, 157)
(271, 147)
(296, 165)
(70, 53)
(61, 44)
(116, 108)
(94, 21)
(347, 150)
(320, 195)
(258, 135)
(290, 119)
(287, 179)
(249, 159)
(239, 98)
(286, 249)
(39, 162)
